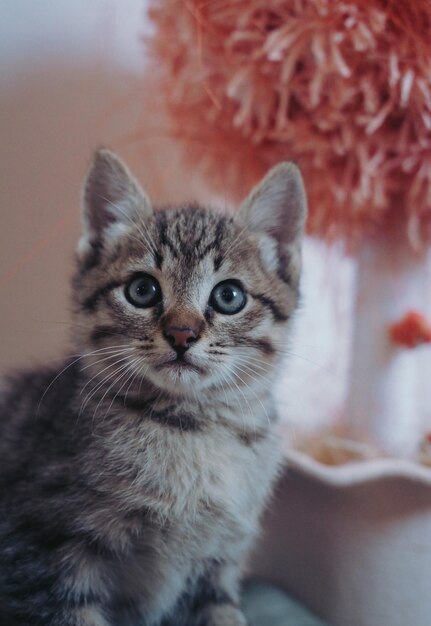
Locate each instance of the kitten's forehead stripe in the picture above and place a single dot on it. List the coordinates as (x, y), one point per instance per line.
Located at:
(158, 259)
(191, 233)
(162, 224)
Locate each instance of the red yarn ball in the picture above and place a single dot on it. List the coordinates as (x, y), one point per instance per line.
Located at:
(343, 88)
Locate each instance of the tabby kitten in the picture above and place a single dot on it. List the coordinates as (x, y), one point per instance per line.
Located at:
(133, 476)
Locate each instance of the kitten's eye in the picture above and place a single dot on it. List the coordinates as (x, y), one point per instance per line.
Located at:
(143, 291)
(228, 298)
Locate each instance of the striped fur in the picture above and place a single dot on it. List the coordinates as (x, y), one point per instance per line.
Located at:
(131, 485)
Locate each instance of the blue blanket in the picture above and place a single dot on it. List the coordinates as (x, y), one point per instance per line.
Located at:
(265, 605)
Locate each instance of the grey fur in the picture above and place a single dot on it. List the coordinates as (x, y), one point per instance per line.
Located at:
(131, 488)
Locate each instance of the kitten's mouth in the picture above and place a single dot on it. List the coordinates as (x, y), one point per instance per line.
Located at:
(181, 365)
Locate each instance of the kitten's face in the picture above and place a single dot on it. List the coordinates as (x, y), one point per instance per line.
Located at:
(185, 298)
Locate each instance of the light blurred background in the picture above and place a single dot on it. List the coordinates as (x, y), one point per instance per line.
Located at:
(71, 79)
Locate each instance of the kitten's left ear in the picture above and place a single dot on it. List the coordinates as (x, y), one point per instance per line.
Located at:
(276, 209)
(113, 202)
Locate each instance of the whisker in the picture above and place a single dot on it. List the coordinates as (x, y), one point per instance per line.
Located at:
(64, 370)
(138, 371)
(286, 352)
(245, 400)
(234, 244)
(119, 373)
(142, 380)
(253, 374)
(245, 360)
(128, 374)
(77, 325)
(99, 372)
(226, 381)
(100, 384)
(150, 238)
(255, 395)
(109, 356)
(258, 379)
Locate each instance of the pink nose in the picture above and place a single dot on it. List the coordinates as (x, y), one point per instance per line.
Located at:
(180, 336)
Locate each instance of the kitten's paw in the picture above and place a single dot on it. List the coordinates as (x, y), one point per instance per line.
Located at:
(221, 615)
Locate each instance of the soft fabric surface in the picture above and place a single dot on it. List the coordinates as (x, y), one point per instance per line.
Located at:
(265, 605)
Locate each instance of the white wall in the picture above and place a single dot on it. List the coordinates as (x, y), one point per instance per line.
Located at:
(71, 32)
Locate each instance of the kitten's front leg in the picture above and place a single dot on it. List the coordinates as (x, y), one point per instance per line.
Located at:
(35, 594)
(217, 599)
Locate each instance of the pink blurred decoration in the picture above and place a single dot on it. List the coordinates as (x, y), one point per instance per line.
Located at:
(411, 331)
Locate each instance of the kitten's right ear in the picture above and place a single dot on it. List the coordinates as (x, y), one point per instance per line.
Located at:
(276, 209)
(113, 202)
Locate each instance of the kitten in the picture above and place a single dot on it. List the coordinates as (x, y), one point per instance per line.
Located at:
(133, 477)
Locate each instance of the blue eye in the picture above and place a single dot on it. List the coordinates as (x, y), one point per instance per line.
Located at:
(228, 298)
(143, 291)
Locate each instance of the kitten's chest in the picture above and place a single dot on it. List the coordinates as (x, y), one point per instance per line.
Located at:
(191, 476)
(206, 491)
